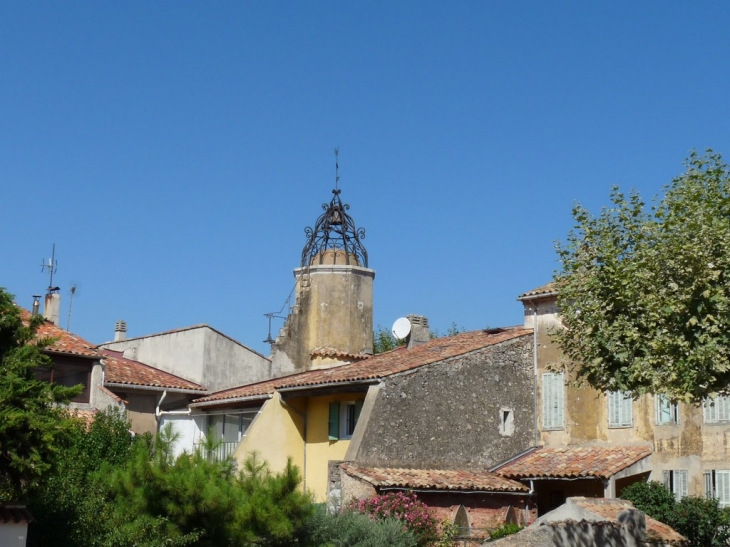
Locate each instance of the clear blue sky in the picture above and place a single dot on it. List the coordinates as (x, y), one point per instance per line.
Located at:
(175, 151)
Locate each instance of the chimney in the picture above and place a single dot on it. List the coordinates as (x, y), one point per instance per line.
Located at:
(420, 333)
(120, 331)
(36, 305)
(52, 306)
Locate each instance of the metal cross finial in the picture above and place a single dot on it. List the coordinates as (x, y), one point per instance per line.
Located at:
(337, 166)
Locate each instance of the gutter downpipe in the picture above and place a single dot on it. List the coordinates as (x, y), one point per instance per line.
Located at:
(534, 389)
(159, 412)
(304, 434)
(534, 358)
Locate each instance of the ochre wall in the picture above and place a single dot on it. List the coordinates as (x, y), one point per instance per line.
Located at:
(277, 433)
(320, 450)
(334, 308)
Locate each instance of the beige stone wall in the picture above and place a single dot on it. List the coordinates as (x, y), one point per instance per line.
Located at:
(691, 444)
(334, 308)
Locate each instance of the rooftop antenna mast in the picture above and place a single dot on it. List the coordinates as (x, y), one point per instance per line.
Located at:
(51, 266)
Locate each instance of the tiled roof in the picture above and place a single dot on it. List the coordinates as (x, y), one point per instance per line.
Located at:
(610, 508)
(65, 342)
(378, 366)
(120, 370)
(434, 479)
(10, 512)
(546, 290)
(599, 462)
(338, 354)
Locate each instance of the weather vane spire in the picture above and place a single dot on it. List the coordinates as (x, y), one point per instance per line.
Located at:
(337, 166)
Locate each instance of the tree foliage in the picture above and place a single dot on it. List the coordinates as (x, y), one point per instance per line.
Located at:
(32, 425)
(70, 506)
(193, 500)
(700, 520)
(383, 339)
(645, 294)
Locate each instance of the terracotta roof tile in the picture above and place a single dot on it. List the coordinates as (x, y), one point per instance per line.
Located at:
(546, 290)
(338, 354)
(65, 341)
(600, 462)
(11, 512)
(610, 508)
(434, 479)
(379, 366)
(120, 370)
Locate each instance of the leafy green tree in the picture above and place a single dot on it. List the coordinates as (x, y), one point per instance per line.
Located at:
(70, 507)
(652, 498)
(32, 424)
(383, 340)
(645, 295)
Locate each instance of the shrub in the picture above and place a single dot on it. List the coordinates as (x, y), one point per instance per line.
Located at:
(354, 529)
(700, 520)
(507, 529)
(405, 507)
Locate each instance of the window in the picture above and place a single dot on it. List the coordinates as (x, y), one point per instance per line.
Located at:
(717, 485)
(69, 375)
(676, 482)
(717, 409)
(552, 400)
(667, 412)
(506, 422)
(228, 430)
(343, 419)
(620, 409)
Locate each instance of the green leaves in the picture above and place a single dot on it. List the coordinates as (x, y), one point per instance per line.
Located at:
(32, 426)
(645, 296)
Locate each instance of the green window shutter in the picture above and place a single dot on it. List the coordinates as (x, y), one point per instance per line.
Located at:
(334, 423)
(358, 409)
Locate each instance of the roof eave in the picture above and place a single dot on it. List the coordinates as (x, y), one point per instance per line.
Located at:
(156, 388)
(327, 385)
(246, 399)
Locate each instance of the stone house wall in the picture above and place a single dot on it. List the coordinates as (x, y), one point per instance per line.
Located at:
(468, 412)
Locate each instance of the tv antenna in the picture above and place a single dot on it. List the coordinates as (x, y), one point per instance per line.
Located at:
(50, 266)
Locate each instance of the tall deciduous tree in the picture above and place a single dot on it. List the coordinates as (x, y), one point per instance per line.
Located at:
(32, 425)
(645, 294)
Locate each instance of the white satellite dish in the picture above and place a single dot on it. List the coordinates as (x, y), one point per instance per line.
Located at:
(401, 328)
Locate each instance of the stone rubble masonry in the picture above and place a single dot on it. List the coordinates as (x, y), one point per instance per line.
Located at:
(447, 415)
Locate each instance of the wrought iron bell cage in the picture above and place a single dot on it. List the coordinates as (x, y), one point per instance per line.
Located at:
(334, 230)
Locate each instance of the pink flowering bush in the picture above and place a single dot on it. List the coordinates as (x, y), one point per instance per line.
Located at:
(405, 507)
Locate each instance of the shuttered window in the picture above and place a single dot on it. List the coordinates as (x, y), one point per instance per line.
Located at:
(343, 417)
(677, 482)
(620, 409)
(667, 412)
(717, 485)
(717, 409)
(553, 388)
